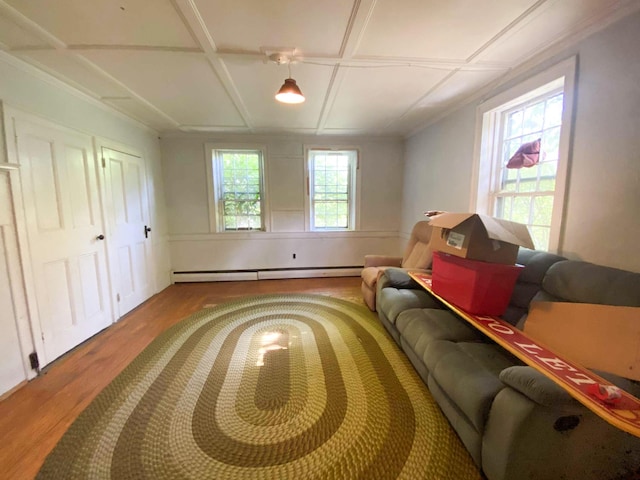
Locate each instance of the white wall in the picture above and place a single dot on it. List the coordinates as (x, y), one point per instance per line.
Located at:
(194, 247)
(603, 194)
(437, 173)
(23, 88)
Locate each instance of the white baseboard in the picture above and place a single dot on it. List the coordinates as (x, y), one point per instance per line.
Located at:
(312, 273)
(179, 277)
(213, 276)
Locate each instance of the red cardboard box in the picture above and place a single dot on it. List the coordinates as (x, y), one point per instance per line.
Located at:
(481, 288)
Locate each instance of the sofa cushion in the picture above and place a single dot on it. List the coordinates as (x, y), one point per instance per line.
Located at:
(393, 301)
(523, 293)
(418, 253)
(536, 264)
(399, 278)
(584, 282)
(420, 326)
(536, 386)
(529, 282)
(468, 373)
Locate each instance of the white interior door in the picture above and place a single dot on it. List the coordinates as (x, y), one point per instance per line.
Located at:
(129, 229)
(66, 235)
(12, 370)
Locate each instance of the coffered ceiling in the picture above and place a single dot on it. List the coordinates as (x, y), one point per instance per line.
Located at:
(379, 67)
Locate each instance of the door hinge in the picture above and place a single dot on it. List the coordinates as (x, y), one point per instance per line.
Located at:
(118, 297)
(104, 163)
(34, 361)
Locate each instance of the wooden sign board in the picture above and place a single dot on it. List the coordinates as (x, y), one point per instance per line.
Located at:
(572, 377)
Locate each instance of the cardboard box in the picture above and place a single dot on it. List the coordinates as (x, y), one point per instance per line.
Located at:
(479, 237)
(481, 288)
(601, 337)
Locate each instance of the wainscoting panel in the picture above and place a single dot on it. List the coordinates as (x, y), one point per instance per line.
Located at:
(263, 251)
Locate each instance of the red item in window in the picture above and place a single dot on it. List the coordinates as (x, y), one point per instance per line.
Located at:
(527, 155)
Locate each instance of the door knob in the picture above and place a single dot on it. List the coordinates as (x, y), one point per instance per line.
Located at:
(100, 237)
(146, 231)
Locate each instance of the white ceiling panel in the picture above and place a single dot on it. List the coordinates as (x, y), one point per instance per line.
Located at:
(372, 97)
(107, 22)
(181, 85)
(310, 27)
(15, 36)
(444, 97)
(258, 83)
(141, 112)
(550, 22)
(67, 67)
(459, 86)
(201, 65)
(436, 29)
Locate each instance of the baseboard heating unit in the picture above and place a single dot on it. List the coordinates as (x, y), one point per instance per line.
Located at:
(266, 274)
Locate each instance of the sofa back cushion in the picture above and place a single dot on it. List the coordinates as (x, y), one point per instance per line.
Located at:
(419, 253)
(529, 283)
(583, 282)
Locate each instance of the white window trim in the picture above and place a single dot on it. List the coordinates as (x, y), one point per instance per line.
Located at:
(486, 132)
(215, 223)
(355, 206)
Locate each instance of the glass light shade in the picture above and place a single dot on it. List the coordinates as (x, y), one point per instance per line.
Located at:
(289, 92)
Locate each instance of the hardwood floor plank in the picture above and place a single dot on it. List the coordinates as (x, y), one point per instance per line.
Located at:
(34, 417)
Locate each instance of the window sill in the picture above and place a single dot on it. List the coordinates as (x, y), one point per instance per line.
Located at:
(261, 235)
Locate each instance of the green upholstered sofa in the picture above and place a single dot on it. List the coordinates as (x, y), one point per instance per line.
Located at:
(515, 423)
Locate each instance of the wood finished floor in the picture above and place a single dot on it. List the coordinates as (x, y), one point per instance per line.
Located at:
(33, 419)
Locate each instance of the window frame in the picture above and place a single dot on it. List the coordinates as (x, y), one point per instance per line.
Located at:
(214, 185)
(489, 134)
(353, 189)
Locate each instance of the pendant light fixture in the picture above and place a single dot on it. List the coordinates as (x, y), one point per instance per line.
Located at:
(289, 91)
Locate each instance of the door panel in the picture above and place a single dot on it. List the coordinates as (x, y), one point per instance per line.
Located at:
(45, 181)
(128, 216)
(133, 194)
(91, 284)
(82, 210)
(126, 288)
(140, 265)
(58, 309)
(63, 222)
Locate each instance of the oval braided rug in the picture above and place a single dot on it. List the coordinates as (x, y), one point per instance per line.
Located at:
(266, 387)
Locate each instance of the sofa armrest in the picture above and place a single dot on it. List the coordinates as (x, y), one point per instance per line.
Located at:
(537, 387)
(399, 278)
(382, 261)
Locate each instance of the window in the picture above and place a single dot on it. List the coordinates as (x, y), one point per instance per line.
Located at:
(538, 109)
(238, 189)
(332, 189)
